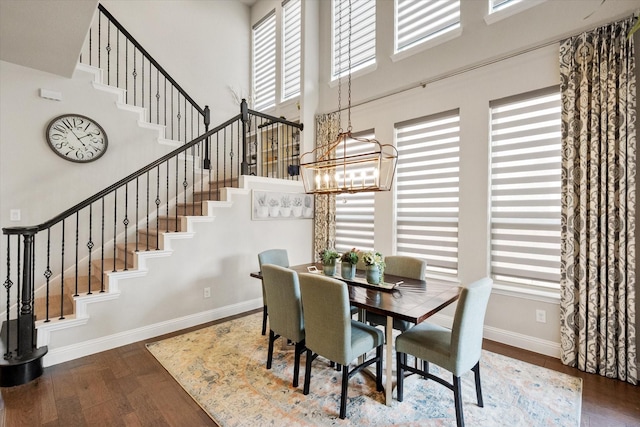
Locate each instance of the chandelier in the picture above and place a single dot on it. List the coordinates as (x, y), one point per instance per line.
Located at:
(363, 164)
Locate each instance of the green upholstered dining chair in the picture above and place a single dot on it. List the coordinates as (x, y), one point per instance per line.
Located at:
(457, 350)
(285, 311)
(331, 333)
(405, 266)
(271, 256)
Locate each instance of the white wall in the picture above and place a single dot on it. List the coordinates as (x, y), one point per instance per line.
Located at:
(518, 54)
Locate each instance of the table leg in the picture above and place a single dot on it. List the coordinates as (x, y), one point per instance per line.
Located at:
(388, 387)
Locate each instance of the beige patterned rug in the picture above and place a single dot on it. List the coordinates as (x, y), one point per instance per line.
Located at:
(223, 368)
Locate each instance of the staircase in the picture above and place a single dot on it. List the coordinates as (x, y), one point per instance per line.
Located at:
(56, 269)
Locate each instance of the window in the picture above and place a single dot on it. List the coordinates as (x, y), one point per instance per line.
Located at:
(354, 212)
(427, 191)
(292, 13)
(264, 62)
(417, 21)
(363, 36)
(525, 190)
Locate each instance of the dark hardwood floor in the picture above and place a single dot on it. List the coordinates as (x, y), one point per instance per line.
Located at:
(126, 386)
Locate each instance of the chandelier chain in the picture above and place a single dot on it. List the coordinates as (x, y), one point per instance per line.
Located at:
(340, 68)
(349, 80)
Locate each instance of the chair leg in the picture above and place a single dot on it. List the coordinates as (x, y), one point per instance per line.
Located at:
(400, 373)
(272, 338)
(307, 372)
(379, 368)
(425, 368)
(476, 371)
(296, 366)
(264, 320)
(457, 397)
(343, 396)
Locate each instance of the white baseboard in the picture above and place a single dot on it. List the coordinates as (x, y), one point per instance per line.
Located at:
(525, 342)
(75, 351)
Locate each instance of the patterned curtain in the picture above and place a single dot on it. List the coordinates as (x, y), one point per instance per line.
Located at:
(324, 226)
(598, 276)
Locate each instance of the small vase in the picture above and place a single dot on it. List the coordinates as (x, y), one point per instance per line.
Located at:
(373, 274)
(329, 269)
(348, 271)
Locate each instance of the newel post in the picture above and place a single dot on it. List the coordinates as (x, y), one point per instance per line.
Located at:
(26, 321)
(207, 143)
(244, 111)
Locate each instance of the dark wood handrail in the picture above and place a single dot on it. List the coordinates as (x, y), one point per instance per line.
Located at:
(106, 191)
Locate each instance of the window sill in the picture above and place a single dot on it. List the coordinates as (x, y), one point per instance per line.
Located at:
(551, 296)
(360, 72)
(508, 11)
(427, 44)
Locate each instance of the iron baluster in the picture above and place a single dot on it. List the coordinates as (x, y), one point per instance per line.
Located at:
(90, 247)
(77, 246)
(115, 227)
(47, 275)
(135, 77)
(99, 36)
(62, 272)
(137, 211)
(108, 49)
(126, 224)
(176, 194)
(102, 246)
(147, 226)
(158, 208)
(167, 198)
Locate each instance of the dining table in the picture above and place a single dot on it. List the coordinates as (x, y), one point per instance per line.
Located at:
(396, 297)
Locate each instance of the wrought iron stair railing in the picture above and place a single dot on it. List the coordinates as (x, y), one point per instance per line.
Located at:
(47, 265)
(127, 65)
(73, 253)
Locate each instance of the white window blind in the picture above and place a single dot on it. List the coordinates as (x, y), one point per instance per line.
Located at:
(363, 35)
(427, 191)
(525, 189)
(496, 5)
(264, 62)
(355, 212)
(420, 20)
(291, 42)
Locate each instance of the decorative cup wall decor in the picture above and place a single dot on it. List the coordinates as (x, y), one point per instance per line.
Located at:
(281, 205)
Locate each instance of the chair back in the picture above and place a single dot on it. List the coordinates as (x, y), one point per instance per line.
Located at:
(468, 323)
(405, 266)
(283, 299)
(327, 317)
(274, 256)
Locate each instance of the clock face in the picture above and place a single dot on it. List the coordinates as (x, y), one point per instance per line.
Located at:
(76, 138)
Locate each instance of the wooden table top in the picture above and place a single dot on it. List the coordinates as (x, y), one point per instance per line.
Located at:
(412, 300)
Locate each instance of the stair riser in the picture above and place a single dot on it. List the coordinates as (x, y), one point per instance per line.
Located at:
(190, 209)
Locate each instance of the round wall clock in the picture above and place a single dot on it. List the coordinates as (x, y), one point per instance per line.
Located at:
(76, 138)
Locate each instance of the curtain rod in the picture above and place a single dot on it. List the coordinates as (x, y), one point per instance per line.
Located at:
(423, 84)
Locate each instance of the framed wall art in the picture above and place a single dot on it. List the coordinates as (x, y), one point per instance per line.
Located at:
(281, 205)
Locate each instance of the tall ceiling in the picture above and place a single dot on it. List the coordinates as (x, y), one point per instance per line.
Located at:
(45, 35)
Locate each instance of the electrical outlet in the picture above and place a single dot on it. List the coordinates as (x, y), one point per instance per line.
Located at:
(541, 316)
(207, 292)
(14, 215)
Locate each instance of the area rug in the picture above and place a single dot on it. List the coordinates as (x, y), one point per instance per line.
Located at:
(223, 368)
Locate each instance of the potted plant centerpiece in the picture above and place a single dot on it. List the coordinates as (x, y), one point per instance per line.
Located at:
(328, 259)
(375, 266)
(349, 260)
